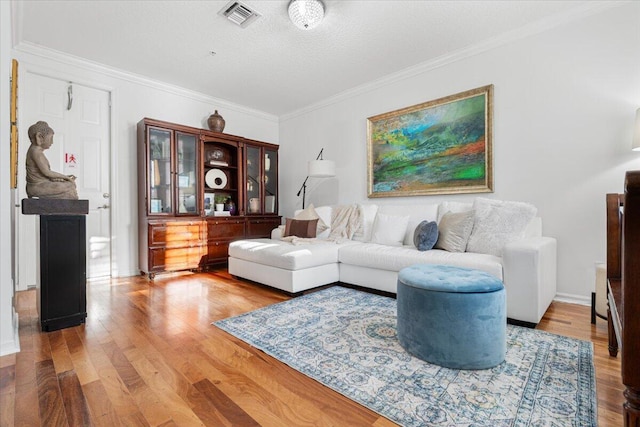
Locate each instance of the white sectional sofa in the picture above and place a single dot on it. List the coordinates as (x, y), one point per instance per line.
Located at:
(526, 262)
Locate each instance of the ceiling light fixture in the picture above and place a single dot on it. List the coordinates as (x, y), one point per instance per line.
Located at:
(306, 14)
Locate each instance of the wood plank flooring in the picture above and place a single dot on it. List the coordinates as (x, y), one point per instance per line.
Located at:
(148, 356)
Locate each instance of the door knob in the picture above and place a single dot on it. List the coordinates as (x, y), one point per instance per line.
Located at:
(106, 195)
(105, 206)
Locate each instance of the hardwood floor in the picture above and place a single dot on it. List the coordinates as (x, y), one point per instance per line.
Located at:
(149, 356)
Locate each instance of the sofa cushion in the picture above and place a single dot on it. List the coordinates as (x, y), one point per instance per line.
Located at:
(425, 235)
(454, 230)
(417, 213)
(497, 223)
(389, 229)
(383, 257)
(300, 227)
(277, 253)
(455, 207)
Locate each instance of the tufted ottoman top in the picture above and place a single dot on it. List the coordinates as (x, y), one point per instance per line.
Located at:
(445, 278)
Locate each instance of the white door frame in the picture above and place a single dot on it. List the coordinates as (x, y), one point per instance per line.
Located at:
(26, 67)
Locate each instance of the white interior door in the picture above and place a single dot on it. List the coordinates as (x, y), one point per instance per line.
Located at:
(80, 118)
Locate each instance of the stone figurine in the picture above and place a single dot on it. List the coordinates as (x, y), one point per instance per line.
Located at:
(42, 182)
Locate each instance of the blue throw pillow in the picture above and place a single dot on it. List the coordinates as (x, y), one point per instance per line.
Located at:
(426, 235)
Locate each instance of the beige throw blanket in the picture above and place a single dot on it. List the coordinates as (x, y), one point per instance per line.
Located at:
(345, 221)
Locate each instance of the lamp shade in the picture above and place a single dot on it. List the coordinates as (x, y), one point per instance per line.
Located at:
(306, 14)
(635, 145)
(322, 168)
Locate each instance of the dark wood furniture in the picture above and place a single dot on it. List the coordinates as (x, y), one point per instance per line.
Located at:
(180, 170)
(62, 280)
(61, 277)
(623, 274)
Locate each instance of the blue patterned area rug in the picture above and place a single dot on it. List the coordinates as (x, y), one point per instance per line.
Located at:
(346, 339)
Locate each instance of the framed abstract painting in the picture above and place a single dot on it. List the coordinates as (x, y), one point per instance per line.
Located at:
(442, 146)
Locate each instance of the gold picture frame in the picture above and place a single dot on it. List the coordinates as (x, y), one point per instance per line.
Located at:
(14, 124)
(442, 146)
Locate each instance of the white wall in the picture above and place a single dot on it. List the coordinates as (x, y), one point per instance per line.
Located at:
(9, 341)
(134, 98)
(564, 105)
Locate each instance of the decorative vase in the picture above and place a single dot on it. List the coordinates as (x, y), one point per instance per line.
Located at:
(254, 205)
(230, 206)
(216, 122)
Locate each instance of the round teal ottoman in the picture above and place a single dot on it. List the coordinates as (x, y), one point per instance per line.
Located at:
(451, 316)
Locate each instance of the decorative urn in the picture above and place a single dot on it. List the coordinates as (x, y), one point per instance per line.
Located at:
(216, 122)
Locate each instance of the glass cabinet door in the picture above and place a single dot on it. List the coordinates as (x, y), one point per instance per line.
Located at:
(254, 181)
(159, 171)
(270, 181)
(186, 182)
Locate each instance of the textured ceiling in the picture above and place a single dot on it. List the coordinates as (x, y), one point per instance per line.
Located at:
(271, 65)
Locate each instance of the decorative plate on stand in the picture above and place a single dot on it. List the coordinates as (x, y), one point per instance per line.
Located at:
(216, 179)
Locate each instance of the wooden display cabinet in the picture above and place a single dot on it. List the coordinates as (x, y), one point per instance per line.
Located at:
(261, 178)
(181, 170)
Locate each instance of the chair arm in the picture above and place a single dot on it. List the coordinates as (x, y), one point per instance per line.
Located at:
(529, 272)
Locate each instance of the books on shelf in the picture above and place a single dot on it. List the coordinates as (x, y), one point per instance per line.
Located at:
(218, 163)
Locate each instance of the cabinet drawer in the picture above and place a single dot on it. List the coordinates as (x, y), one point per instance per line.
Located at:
(175, 233)
(225, 229)
(218, 251)
(261, 227)
(175, 258)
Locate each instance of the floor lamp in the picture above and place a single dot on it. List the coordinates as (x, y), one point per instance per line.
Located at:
(318, 168)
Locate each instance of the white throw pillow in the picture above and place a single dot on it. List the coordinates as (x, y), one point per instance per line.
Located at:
(389, 229)
(324, 212)
(498, 223)
(310, 213)
(454, 230)
(368, 215)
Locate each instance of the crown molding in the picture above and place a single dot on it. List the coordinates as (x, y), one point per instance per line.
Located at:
(38, 51)
(534, 28)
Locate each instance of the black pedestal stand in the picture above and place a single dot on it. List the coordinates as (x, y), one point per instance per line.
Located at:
(61, 297)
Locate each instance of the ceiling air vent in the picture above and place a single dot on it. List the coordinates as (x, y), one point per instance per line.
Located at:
(239, 13)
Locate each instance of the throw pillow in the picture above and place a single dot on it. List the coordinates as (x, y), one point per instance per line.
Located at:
(324, 225)
(310, 213)
(426, 235)
(454, 230)
(389, 229)
(498, 223)
(368, 215)
(301, 227)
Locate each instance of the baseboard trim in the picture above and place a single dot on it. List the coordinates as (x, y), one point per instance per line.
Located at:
(13, 346)
(573, 299)
(522, 323)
